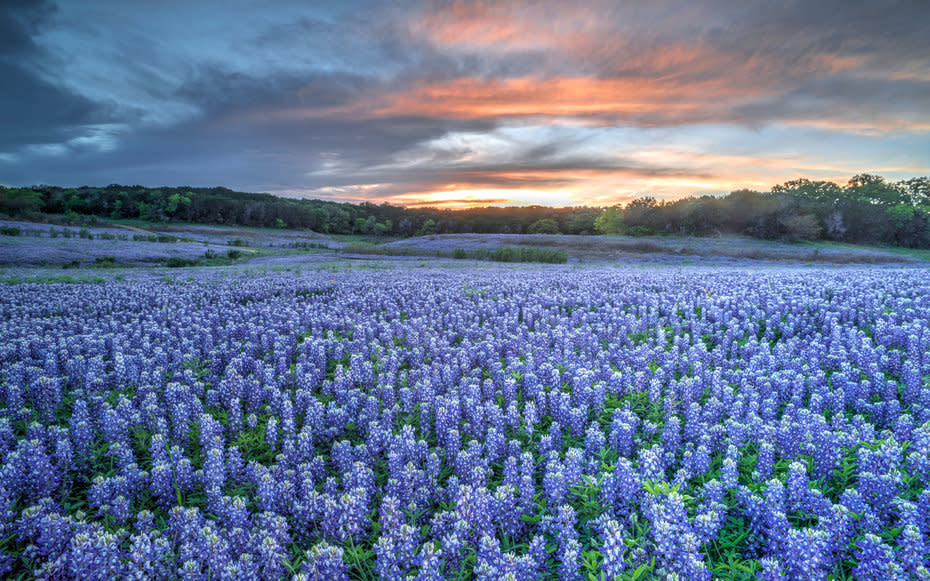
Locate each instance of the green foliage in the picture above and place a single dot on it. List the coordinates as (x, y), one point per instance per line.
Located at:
(178, 262)
(801, 227)
(105, 261)
(502, 254)
(868, 209)
(610, 221)
(428, 227)
(10, 231)
(19, 201)
(544, 226)
(528, 254)
(52, 279)
(176, 202)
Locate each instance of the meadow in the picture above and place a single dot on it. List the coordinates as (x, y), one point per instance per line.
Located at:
(474, 421)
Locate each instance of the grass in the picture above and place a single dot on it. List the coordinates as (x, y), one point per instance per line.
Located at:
(49, 279)
(210, 258)
(918, 253)
(502, 254)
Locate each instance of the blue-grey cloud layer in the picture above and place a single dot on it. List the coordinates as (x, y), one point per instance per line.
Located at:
(380, 99)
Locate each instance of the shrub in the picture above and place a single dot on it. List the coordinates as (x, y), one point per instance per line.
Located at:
(639, 230)
(178, 262)
(528, 254)
(10, 230)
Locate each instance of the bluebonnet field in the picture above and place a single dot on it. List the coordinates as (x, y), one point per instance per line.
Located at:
(493, 423)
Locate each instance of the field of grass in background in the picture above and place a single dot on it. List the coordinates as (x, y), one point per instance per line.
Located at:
(502, 254)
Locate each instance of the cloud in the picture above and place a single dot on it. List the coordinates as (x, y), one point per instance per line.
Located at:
(462, 100)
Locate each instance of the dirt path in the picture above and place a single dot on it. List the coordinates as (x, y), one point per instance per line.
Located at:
(134, 229)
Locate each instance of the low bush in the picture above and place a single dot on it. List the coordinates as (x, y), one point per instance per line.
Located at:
(178, 262)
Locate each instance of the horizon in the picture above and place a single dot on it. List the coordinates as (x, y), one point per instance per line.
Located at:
(457, 205)
(454, 105)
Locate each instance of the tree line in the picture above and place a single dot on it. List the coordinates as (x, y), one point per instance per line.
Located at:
(227, 207)
(868, 209)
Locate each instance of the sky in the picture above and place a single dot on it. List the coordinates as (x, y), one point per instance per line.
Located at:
(458, 104)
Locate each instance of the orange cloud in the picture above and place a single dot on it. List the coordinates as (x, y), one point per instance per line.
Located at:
(511, 26)
(587, 99)
(563, 96)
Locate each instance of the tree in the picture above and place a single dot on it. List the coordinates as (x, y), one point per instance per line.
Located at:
(917, 190)
(610, 221)
(800, 227)
(428, 227)
(582, 221)
(874, 189)
(641, 215)
(17, 201)
(176, 203)
(544, 226)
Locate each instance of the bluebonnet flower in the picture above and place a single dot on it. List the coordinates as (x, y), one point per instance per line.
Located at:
(343, 385)
(95, 555)
(614, 550)
(148, 557)
(324, 561)
(876, 560)
(805, 553)
(772, 570)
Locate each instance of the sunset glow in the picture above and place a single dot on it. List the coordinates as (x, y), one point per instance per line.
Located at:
(461, 103)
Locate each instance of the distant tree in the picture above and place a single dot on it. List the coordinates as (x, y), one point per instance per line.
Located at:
(610, 221)
(544, 226)
(17, 201)
(582, 221)
(800, 227)
(176, 203)
(910, 226)
(641, 215)
(820, 191)
(917, 190)
(428, 227)
(874, 189)
(868, 209)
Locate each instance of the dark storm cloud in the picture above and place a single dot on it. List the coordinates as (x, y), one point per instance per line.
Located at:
(19, 21)
(33, 110)
(375, 99)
